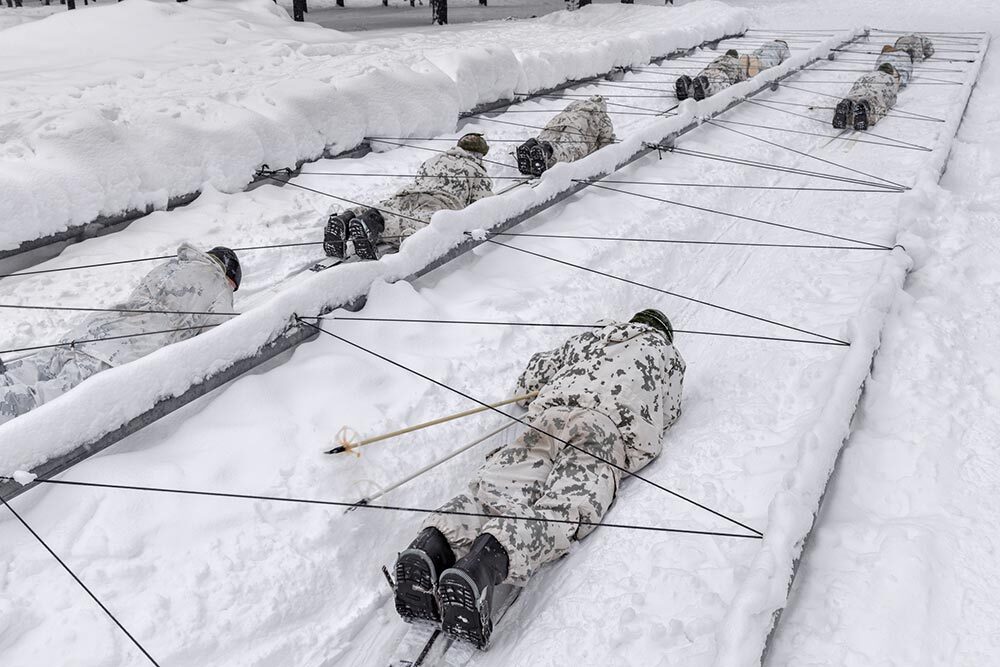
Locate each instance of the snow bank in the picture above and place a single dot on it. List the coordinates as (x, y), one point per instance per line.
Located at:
(743, 635)
(174, 97)
(112, 398)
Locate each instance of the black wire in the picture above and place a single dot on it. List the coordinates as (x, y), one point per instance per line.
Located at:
(561, 326)
(392, 508)
(432, 150)
(668, 292)
(149, 259)
(928, 119)
(804, 154)
(901, 145)
(879, 190)
(840, 97)
(541, 128)
(686, 242)
(781, 168)
(741, 217)
(74, 343)
(115, 310)
(936, 82)
(827, 123)
(349, 201)
(624, 471)
(80, 582)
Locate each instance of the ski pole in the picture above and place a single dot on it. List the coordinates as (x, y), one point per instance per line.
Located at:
(430, 466)
(347, 447)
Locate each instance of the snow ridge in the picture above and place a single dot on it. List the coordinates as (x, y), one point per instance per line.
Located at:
(113, 398)
(753, 613)
(237, 84)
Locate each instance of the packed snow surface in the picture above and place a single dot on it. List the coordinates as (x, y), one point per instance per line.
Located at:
(214, 581)
(175, 98)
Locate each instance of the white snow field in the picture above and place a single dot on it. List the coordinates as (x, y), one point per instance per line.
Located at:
(217, 581)
(233, 84)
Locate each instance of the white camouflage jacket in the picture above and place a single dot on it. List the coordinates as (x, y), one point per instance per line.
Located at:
(900, 61)
(765, 57)
(627, 372)
(453, 180)
(578, 130)
(193, 281)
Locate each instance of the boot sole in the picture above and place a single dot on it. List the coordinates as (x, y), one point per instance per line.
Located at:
(523, 161)
(539, 163)
(363, 248)
(698, 90)
(461, 617)
(415, 576)
(332, 246)
(841, 113)
(681, 88)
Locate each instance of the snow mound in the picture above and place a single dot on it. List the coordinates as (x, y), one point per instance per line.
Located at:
(234, 84)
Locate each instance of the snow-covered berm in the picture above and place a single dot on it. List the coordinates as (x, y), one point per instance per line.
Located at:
(174, 97)
(112, 398)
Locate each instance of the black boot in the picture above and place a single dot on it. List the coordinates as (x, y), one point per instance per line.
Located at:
(466, 591)
(843, 113)
(365, 233)
(523, 153)
(335, 236)
(682, 87)
(699, 87)
(862, 116)
(417, 572)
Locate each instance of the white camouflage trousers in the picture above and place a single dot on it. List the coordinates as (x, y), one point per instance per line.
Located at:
(539, 476)
(41, 377)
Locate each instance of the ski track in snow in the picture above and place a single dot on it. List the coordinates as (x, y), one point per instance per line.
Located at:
(212, 581)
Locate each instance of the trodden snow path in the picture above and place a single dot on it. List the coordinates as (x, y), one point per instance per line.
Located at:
(213, 581)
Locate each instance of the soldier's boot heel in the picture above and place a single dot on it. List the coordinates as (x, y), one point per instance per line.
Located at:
(365, 239)
(682, 87)
(417, 571)
(843, 113)
(523, 153)
(538, 157)
(861, 117)
(335, 237)
(699, 87)
(466, 592)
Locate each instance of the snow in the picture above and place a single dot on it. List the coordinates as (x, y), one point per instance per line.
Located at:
(902, 568)
(24, 478)
(235, 84)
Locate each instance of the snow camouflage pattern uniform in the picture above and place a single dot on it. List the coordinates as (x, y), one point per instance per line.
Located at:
(451, 181)
(918, 46)
(900, 61)
(721, 73)
(613, 392)
(580, 129)
(765, 57)
(878, 91)
(193, 281)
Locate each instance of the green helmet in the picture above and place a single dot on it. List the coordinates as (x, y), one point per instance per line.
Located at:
(733, 52)
(474, 143)
(654, 318)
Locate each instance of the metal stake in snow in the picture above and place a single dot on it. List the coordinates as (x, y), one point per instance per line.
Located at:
(347, 446)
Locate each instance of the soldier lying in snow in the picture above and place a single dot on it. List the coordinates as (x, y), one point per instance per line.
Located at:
(449, 181)
(870, 99)
(918, 46)
(613, 393)
(580, 129)
(730, 69)
(193, 282)
(900, 61)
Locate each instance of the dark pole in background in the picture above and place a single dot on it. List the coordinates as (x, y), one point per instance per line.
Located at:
(299, 9)
(439, 12)
(70, 4)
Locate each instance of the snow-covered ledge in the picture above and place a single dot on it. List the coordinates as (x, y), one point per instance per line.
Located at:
(236, 84)
(751, 617)
(113, 398)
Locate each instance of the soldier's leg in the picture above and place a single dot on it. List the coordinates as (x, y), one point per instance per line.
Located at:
(15, 398)
(414, 213)
(578, 488)
(65, 372)
(365, 230)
